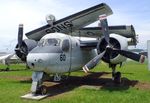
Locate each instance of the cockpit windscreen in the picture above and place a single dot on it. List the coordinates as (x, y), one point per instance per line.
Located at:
(49, 42)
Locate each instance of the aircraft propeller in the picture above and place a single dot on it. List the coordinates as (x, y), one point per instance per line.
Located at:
(110, 49)
(92, 63)
(128, 54)
(20, 35)
(21, 48)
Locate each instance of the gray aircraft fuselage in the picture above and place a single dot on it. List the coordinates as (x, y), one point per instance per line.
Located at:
(49, 57)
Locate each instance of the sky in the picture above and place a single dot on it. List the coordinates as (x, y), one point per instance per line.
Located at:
(32, 14)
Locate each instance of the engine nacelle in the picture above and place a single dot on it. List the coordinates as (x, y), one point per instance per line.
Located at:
(26, 47)
(116, 41)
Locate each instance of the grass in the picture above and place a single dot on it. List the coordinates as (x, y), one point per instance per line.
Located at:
(12, 86)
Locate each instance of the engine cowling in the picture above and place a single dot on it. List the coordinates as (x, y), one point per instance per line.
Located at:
(116, 41)
(26, 47)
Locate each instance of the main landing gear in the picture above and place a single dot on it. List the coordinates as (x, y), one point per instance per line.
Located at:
(57, 77)
(116, 76)
(7, 64)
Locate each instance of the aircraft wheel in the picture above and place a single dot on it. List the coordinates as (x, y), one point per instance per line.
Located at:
(7, 69)
(43, 90)
(117, 78)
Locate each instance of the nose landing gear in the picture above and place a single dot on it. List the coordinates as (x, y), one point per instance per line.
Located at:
(38, 91)
(42, 90)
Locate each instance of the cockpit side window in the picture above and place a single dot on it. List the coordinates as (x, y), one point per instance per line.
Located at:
(65, 45)
(41, 42)
(49, 42)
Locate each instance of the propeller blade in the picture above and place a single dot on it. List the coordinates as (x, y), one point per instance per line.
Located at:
(131, 55)
(92, 63)
(20, 35)
(104, 25)
(21, 50)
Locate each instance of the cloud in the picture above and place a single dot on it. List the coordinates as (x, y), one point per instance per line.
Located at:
(32, 14)
(29, 12)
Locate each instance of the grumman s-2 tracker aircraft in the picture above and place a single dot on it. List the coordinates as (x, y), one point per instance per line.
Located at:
(58, 47)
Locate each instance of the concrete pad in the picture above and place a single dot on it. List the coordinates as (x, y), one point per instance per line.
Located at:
(33, 97)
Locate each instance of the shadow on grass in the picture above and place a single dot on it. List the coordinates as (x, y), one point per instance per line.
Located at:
(29, 80)
(5, 70)
(125, 84)
(92, 79)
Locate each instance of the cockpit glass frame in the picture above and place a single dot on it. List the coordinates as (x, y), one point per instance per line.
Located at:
(49, 42)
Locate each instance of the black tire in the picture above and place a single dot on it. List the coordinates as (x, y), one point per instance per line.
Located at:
(117, 78)
(43, 90)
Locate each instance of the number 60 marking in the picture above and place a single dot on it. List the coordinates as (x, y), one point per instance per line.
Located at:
(62, 57)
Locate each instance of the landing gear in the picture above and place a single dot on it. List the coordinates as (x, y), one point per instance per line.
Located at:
(37, 88)
(116, 76)
(37, 79)
(43, 90)
(57, 77)
(7, 68)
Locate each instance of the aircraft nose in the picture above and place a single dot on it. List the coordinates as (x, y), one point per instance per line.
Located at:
(35, 61)
(32, 64)
(43, 57)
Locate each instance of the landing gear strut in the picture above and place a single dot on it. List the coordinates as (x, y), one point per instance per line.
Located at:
(116, 76)
(57, 77)
(7, 64)
(7, 68)
(37, 88)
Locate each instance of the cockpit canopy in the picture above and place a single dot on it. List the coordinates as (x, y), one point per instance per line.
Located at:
(49, 42)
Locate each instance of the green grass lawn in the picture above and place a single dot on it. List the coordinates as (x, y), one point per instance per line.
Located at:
(16, 83)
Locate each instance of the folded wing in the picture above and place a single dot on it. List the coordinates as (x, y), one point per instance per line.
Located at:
(123, 30)
(72, 22)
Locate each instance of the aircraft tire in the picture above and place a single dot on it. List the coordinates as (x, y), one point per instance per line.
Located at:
(43, 90)
(117, 78)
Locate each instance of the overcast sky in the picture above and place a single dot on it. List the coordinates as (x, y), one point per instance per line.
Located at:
(32, 14)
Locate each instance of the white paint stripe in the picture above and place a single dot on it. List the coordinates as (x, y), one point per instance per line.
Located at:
(87, 69)
(84, 69)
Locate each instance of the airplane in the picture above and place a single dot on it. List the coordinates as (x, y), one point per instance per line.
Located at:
(6, 59)
(58, 47)
(10, 58)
